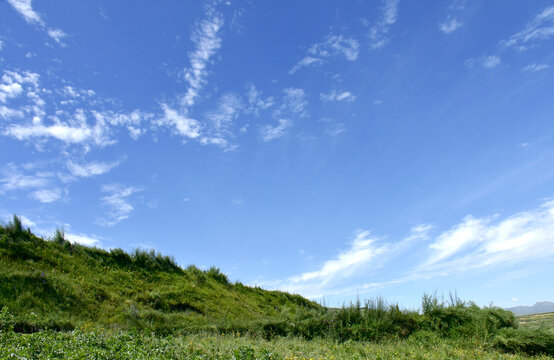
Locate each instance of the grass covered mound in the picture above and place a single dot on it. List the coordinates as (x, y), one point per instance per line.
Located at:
(61, 285)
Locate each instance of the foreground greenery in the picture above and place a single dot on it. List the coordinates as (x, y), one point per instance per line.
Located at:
(125, 345)
(62, 300)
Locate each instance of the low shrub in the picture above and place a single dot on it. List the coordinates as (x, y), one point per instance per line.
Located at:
(529, 341)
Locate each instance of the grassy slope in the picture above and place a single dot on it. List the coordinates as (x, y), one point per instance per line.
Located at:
(62, 285)
(536, 321)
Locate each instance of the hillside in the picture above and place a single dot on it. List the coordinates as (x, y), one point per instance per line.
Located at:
(536, 321)
(538, 308)
(60, 285)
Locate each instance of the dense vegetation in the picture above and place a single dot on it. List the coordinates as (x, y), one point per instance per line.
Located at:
(60, 298)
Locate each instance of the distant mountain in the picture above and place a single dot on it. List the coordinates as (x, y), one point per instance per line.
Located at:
(540, 307)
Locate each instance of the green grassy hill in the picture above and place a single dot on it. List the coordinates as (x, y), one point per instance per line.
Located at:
(61, 285)
(536, 321)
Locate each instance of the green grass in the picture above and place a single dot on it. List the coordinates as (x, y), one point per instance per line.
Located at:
(57, 284)
(126, 345)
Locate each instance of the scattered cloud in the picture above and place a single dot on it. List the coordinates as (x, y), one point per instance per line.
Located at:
(452, 22)
(378, 32)
(336, 129)
(536, 67)
(182, 124)
(488, 62)
(491, 62)
(450, 25)
(25, 8)
(294, 102)
(256, 103)
(118, 203)
(331, 47)
(539, 29)
(71, 119)
(270, 132)
(47, 195)
(334, 95)
(14, 179)
(90, 169)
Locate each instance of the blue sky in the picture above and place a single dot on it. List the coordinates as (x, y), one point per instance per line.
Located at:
(352, 148)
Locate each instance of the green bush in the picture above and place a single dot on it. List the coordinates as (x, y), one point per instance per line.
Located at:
(532, 342)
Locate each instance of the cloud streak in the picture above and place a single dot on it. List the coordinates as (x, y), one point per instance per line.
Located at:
(331, 47)
(539, 29)
(118, 202)
(25, 9)
(378, 32)
(474, 244)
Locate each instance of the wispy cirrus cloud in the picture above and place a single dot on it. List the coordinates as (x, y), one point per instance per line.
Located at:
(475, 244)
(536, 67)
(207, 41)
(25, 8)
(118, 202)
(335, 95)
(488, 62)
(332, 46)
(269, 132)
(378, 32)
(539, 29)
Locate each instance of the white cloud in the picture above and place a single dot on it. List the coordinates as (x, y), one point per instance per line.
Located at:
(487, 62)
(474, 245)
(13, 179)
(47, 195)
(331, 47)
(207, 41)
(269, 132)
(336, 129)
(25, 8)
(337, 96)
(183, 125)
(491, 62)
(485, 242)
(90, 169)
(379, 31)
(450, 25)
(539, 29)
(294, 102)
(56, 34)
(228, 108)
(536, 67)
(361, 255)
(118, 203)
(256, 103)
(82, 239)
(8, 113)
(305, 62)
(63, 132)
